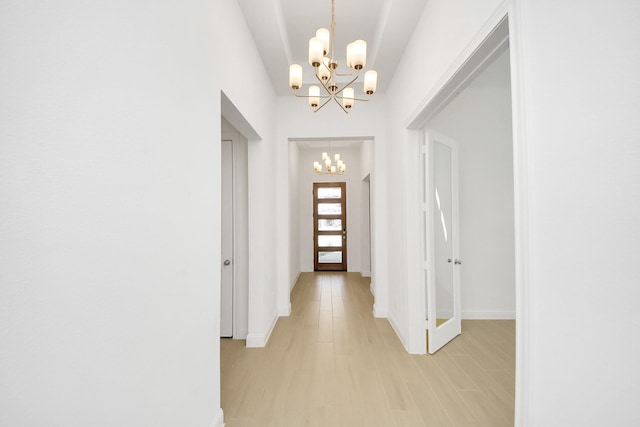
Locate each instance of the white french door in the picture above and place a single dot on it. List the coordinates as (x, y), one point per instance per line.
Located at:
(441, 258)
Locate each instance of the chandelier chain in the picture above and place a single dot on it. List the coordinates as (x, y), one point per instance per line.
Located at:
(333, 28)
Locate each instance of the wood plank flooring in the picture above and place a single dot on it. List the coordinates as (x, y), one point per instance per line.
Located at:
(331, 363)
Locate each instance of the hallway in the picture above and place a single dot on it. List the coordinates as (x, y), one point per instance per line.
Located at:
(331, 363)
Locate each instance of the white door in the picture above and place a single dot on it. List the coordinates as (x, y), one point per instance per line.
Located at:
(226, 272)
(442, 259)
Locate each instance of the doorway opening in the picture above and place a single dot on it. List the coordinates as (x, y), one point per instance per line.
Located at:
(359, 201)
(478, 273)
(234, 261)
(493, 228)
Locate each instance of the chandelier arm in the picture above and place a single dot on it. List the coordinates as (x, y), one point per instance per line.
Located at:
(323, 85)
(329, 98)
(338, 102)
(355, 99)
(348, 84)
(322, 64)
(295, 93)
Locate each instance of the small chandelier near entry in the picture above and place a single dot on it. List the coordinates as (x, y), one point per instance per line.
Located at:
(326, 167)
(325, 70)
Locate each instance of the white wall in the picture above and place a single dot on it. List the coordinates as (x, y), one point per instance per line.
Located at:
(109, 190)
(306, 178)
(581, 64)
(479, 119)
(366, 158)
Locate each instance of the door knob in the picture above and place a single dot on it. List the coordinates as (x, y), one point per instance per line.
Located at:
(226, 262)
(449, 260)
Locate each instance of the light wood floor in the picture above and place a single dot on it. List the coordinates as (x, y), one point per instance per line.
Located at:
(332, 364)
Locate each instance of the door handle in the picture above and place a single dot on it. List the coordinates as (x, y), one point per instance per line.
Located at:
(226, 262)
(458, 262)
(449, 260)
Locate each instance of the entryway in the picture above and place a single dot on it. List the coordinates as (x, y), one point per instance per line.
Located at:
(234, 260)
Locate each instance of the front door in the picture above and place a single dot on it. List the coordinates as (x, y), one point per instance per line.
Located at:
(330, 226)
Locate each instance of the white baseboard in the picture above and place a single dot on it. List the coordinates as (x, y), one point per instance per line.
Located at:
(274, 320)
(260, 340)
(218, 420)
(396, 328)
(293, 284)
(255, 340)
(284, 311)
(242, 335)
(489, 315)
(380, 312)
(480, 315)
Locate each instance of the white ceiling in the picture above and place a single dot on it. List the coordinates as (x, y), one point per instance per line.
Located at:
(327, 144)
(282, 28)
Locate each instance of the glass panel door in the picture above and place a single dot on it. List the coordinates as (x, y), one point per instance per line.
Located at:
(330, 226)
(442, 247)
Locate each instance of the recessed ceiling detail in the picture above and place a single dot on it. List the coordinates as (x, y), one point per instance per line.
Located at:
(281, 30)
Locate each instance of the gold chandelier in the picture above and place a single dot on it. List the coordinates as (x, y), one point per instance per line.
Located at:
(325, 70)
(326, 167)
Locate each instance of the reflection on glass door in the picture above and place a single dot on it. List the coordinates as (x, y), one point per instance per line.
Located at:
(330, 226)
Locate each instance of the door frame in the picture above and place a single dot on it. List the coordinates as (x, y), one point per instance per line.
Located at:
(317, 266)
(240, 258)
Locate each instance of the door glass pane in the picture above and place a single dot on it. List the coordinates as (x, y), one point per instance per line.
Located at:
(330, 257)
(329, 225)
(333, 241)
(329, 208)
(329, 211)
(329, 192)
(443, 248)
(425, 195)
